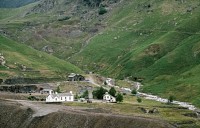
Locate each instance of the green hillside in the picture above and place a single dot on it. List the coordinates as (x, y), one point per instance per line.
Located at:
(157, 41)
(15, 3)
(63, 26)
(38, 64)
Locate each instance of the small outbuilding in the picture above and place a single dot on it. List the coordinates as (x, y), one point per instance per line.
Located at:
(75, 77)
(109, 98)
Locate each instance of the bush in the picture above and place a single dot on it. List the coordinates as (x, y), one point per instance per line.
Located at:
(58, 90)
(102, 10)
(171, 99)
(64, 18)
(76, 96)
(112, 91)
(134, 92)
(119, 97)
(33, 98)
(85, 94)
(139, 100)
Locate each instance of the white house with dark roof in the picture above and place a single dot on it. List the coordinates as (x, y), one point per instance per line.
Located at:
(60, 97)
(109, 98)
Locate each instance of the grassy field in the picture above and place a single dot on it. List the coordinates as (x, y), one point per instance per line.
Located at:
(130, 106)
(19, 54)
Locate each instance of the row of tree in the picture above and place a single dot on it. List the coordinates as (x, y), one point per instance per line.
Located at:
(99, 93)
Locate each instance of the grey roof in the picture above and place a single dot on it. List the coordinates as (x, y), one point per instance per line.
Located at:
(72, 75)
(61, 95)
(47, 89)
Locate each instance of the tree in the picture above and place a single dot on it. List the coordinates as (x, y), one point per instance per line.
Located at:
(139, 100)
(134, 92)
(119, 97)
(85, 94)
(99, 93)
(171, 99)
(58, 90)
(102, 10)
(112, 91)
(76, 96)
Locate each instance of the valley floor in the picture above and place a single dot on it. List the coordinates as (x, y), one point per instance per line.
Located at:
(130, 110)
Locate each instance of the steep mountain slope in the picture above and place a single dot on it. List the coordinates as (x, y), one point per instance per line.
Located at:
(23, 61)
(157, 41)
(58, 27)
(15, 3)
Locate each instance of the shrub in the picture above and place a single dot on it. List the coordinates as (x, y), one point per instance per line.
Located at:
(134, 92)
(112, 91)
(119, 97)
(139, 100)
(102, 10)
(171, 99)
(58, 90)
(85, 94)
(33, 98)
(64, 18)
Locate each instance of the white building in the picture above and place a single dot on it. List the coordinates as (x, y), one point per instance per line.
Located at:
(109, 98)
(110, 82)
(60, 97)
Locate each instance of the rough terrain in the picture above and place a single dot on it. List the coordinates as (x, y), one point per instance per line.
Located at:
(36, 115)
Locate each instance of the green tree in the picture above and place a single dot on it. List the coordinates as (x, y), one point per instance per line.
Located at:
(76, 96)
(85, 94)
(171, 99)
(98, 93)
(134, 92)
(58, 90)
(112, 91)
(102, 10)
(119, 97)
(139, 100)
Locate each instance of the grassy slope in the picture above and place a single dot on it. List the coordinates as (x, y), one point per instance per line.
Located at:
(161, 46)
(14, 3)
(18, 54)
(41, 28)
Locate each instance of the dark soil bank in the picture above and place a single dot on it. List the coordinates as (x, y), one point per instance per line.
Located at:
(14, 115)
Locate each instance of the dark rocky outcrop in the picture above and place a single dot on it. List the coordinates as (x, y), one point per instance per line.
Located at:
(29, 80)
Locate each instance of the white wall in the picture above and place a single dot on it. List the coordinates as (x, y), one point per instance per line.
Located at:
(60, 99)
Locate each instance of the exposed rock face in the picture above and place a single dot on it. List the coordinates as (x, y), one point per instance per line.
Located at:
(47, 49)
(44, 6)
(16, 115)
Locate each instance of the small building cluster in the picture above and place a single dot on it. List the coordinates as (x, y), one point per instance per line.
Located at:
(59, 97)
(75, 77)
